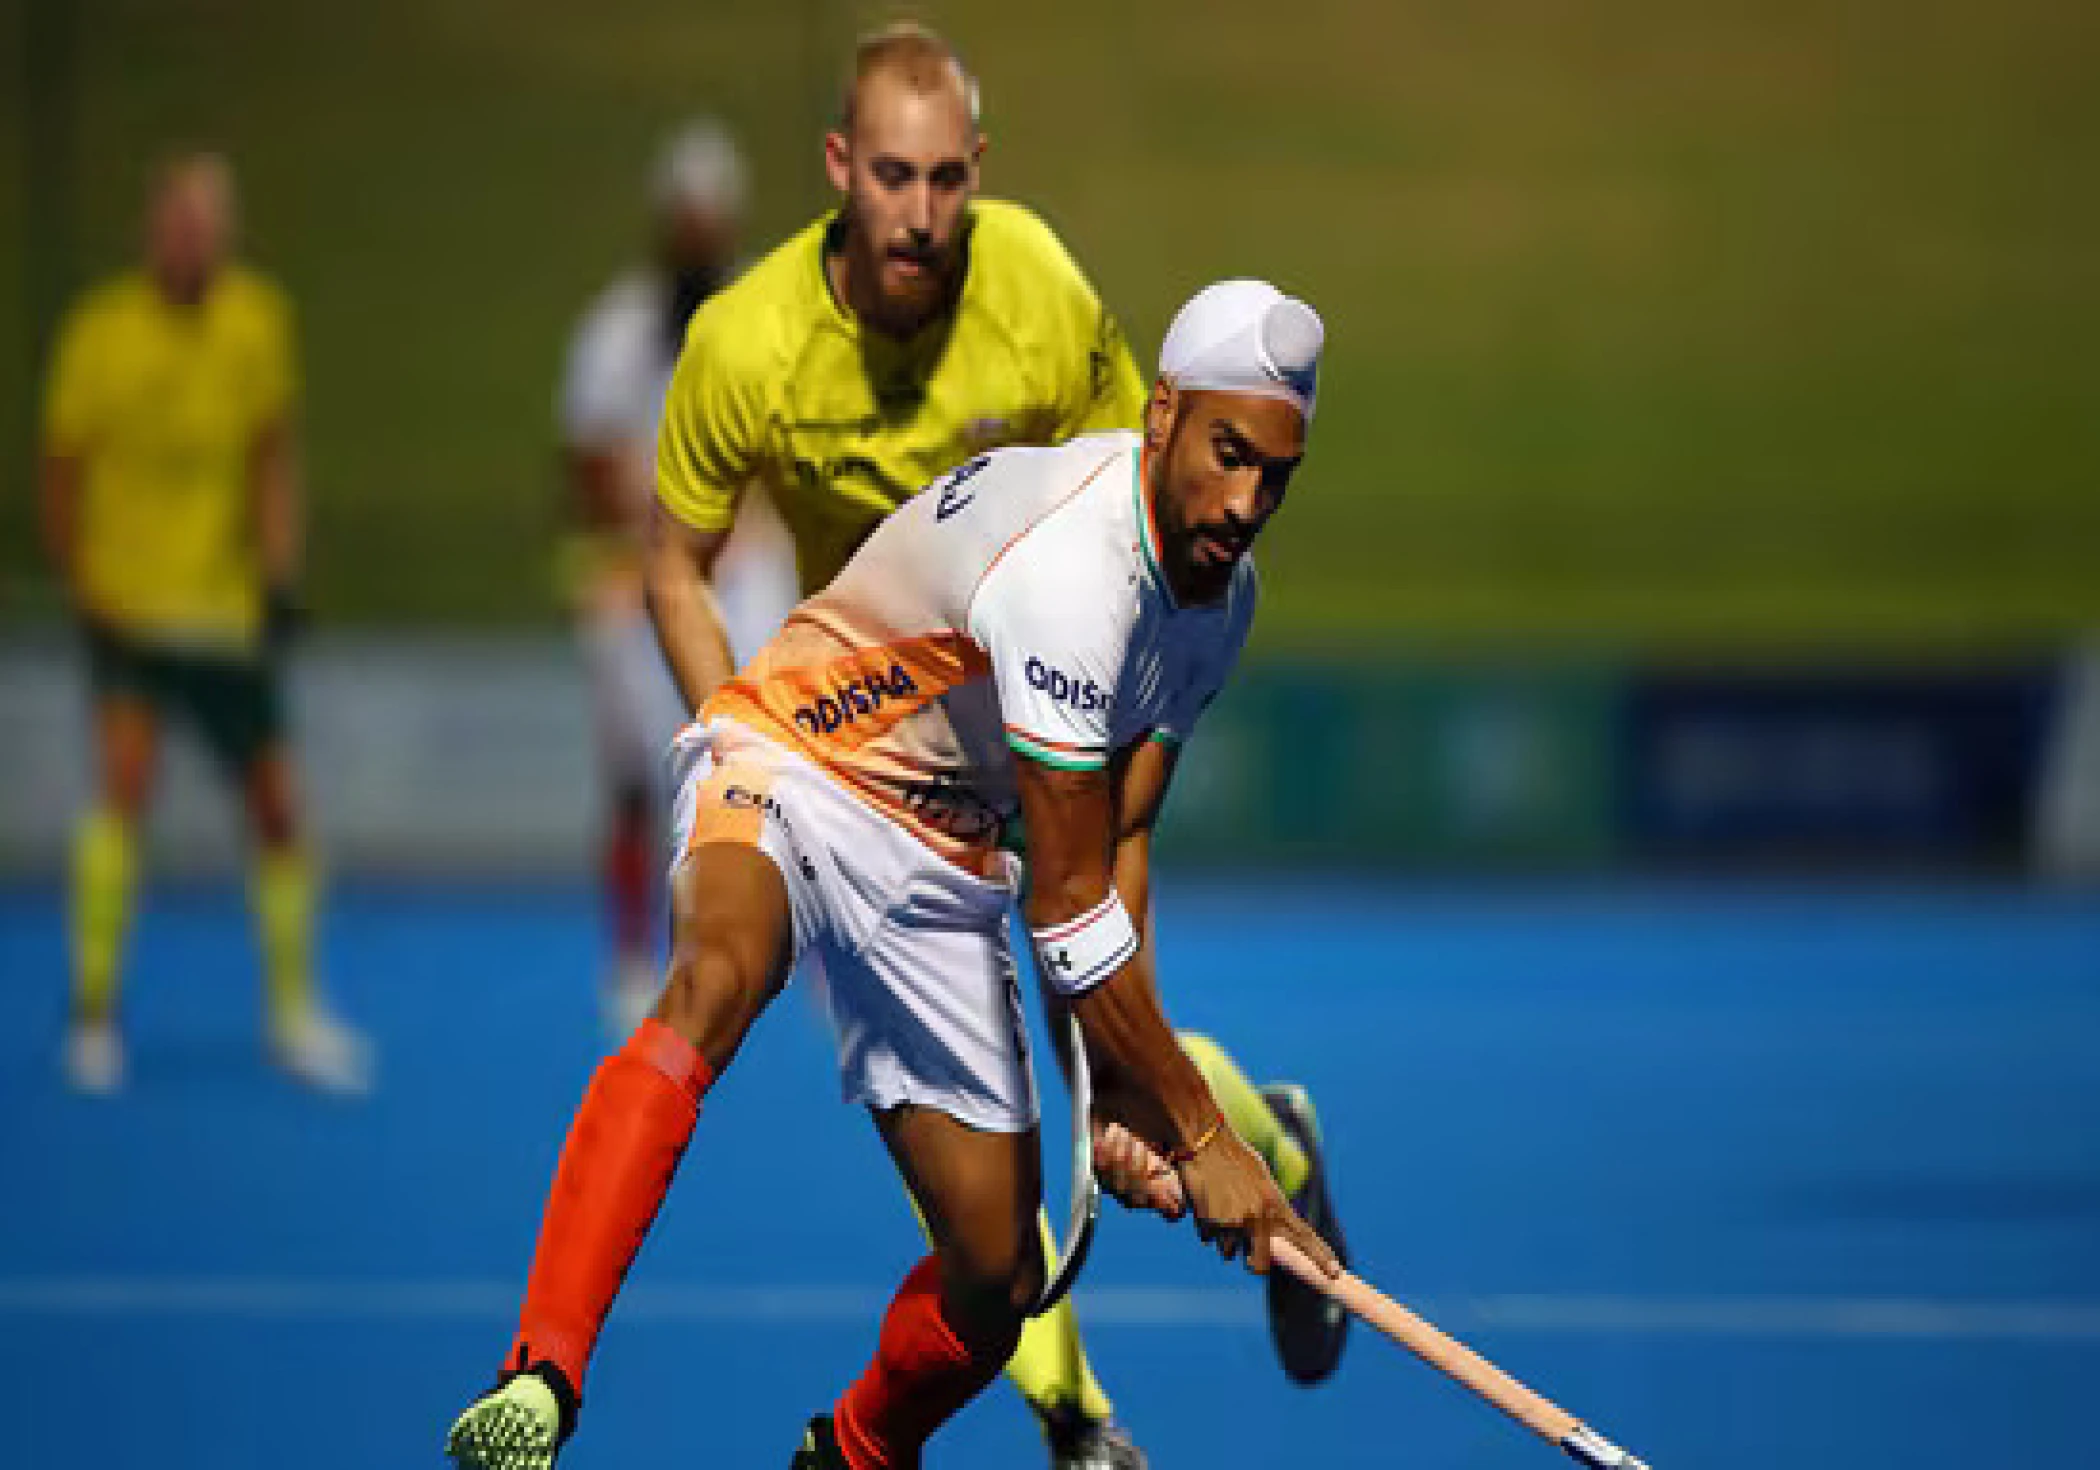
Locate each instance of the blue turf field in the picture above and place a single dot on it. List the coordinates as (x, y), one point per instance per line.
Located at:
(1749, 1178)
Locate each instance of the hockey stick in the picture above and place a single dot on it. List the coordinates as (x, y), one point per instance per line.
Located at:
(1453, 1358)
(1086, 1191)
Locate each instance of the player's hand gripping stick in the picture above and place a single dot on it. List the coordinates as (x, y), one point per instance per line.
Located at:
(1454, 1359)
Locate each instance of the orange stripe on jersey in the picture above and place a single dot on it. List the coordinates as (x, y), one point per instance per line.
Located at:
(835, 711)
(877, 777)
(845, 702)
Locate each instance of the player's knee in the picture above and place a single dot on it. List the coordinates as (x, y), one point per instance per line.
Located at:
(276, 822)
(127, 779)
(711, 998)
(633, 807)
(730, 947)
(129, 792)
(273, 800)
(989, 1299)
(1003, 1274)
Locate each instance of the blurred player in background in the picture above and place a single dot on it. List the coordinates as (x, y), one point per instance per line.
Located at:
(612, 395)
(173, 513)
(886, 343)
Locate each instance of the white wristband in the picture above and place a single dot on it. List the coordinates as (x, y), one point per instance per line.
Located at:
(1080, 953)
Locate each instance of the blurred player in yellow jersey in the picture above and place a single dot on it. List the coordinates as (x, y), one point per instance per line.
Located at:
(886, 343)
(172, 512)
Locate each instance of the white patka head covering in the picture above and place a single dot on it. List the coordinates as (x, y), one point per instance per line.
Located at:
(699, 168)
(1246, 337)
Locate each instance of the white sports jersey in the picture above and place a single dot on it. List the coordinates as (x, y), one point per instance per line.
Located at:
(619, 366)
(1016, 604)
(612, 397)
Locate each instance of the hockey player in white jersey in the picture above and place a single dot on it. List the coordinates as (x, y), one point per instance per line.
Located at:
(1036, 633)
(619, 365)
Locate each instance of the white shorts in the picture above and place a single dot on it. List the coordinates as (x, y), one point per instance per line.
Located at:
(910, 952)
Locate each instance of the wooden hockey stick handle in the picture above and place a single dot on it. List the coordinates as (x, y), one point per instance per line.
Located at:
(1455, 1360)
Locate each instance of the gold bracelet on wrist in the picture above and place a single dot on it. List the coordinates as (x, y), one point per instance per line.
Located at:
(1189, 1151)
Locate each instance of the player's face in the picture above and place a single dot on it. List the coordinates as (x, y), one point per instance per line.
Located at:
(1220, 465)
(189, 230)
(908, 170)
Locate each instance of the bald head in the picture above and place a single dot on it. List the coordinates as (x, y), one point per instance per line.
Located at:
(907, 58)
(905, 157)
(189, 224)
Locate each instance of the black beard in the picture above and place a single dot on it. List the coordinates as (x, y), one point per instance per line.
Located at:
(1205, 584)
(690, 285)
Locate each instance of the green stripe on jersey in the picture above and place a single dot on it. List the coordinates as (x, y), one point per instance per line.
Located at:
(1057, 758)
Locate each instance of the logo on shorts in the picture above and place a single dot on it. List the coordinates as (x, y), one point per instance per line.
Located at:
(1085, 697)
(947, 804)
(744, 796)
(857, 697)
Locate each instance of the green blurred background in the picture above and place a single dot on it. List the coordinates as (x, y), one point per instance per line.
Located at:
(1655, 327)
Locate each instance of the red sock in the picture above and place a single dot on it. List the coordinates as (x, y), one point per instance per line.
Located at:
(922, 1373)
(630, 861)
(628, 1136)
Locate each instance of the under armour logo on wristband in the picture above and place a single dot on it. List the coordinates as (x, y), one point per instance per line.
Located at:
(1080, 953)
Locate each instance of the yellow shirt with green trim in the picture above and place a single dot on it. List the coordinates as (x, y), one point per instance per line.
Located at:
(164, 405)
(781, 386)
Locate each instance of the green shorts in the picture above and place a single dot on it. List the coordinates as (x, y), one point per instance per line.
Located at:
(235, 700)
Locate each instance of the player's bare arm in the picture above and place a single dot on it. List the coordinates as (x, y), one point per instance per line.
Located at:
(1075, 859)
(280, 509)
(1142, 773)
(1139, 775)
(1128, 1168)
(678, 567)
(58, 499)
(601, 488)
